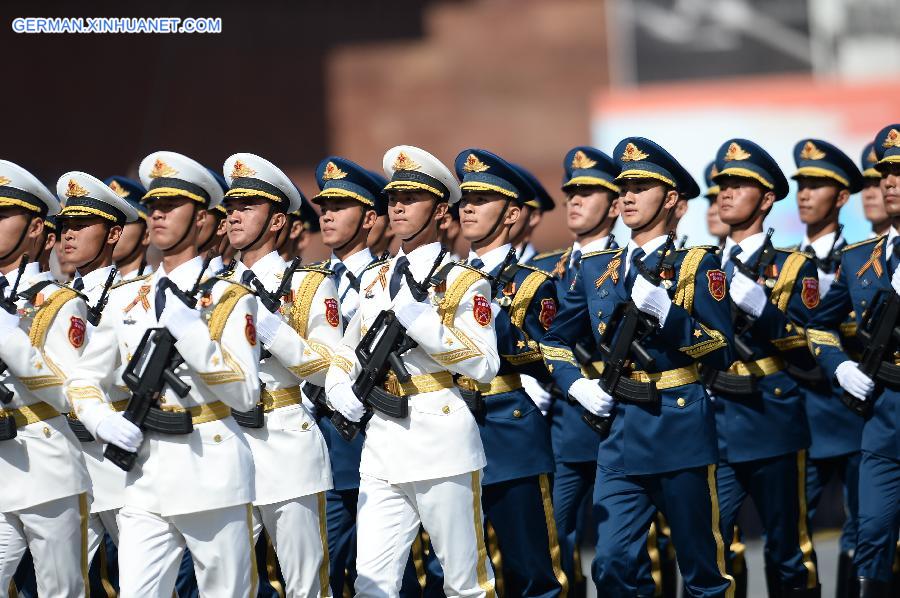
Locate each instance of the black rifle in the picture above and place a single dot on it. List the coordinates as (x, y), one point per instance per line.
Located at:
(151, 369)
(8, 303)
(96, 312)
(879, 334)
(618, 355)
(379, 351)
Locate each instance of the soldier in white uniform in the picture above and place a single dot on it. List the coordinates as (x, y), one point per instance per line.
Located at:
(45, 500)
(91, 223)
(425, 468)
(186, 489)
(130, 254)
(292, 467)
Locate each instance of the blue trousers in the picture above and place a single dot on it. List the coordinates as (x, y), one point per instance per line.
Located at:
(573, 483)
(624, 506)
(879, 516)
(775, 486)
(341, 516)
(846, 468)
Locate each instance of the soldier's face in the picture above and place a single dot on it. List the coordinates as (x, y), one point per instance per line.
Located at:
(587, 206)
(740, 199)
(640, 199)
(479, 212)
(873, 201)
(890, 188)
(381, 235)
(410, 211)
(247, 217)
(12, 220)
(340, 220)
(169, 217)
(818, 198)
(133, 234)
(83, 238)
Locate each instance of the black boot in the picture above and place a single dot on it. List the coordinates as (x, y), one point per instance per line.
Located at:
(847, 584)
(789, 592)
(871, 588)
(773, 584)
(740, 583)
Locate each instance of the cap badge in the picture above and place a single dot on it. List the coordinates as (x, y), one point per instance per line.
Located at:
(735, 152)
(872, 157)
(4, 181)
(580, 161)
(118, 189)
(404, 162)
(241, 170)
(473, 164)
(633, 154)
(811, 152)
(75, 190)
(332, 172)
(892, 139)
(161, 169)
(714, 171)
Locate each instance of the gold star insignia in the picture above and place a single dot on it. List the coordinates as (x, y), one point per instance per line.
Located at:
(520, 345)
(215, 361)
(698, 333)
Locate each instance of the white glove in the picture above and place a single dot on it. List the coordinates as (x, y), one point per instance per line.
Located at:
(540, 397)
(854, 381)
(115, 429)
(342, 399)
(178, 317)
(8, 321)
(747, 295)
(651, 299)
(895, 280)
(267, 324)
(593, 398)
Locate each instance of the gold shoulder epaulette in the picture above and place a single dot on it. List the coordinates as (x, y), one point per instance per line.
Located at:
(546, 254)
(473, 269)
(861, 243)
(601, 252)
(315, 268)
(706, 247)
(534, 269)
(122, 283)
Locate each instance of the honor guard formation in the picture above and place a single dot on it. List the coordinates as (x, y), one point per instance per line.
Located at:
(238, 422)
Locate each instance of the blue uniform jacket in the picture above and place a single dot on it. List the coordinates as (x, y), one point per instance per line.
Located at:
(680, 432)
(863, 272)
(515, 435)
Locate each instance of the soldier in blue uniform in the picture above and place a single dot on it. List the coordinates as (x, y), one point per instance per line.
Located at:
(516, 488)
(591, 212)
(296, 237)
(868, 271)
(350, 201)
(760, 420)
(872, 199)
(714, 224)
(826, 178)
(639, 470)
(533, 212)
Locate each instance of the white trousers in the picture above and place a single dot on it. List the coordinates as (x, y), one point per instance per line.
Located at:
(388, 518)
(56, 534)
(298, 530)
(99, 524)
(220, 541)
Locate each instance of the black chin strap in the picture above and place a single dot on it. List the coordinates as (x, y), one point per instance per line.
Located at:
(497, 224)
(434, 206)
(262, 230)
(187, 229)
(359, 223)
(655, 215)
(21, 238)
(604, 216)
(106, 228)
(752, 214)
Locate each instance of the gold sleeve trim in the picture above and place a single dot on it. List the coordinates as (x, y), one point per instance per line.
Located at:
(790, 342)
(450, 303)
(342, 362)
(821, 337)
(45, 315)
(305, 370)
(687, 278)
(716, 341)
(523, 358)
(848, 329)
(222, 311)
(457, 355)
(303, 300)
(784, 286)
(558, 354)
(523, 297)
(234, 373)
(56, 378)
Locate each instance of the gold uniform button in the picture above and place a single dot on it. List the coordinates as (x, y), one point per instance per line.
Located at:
(681, 402)
(305, 426)
(777, 392)
(517, 413)
(162, 400)
(818, 351)
(217, 438)
(46, 431)
(445, 409)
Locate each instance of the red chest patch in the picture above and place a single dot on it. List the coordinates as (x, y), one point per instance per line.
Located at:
(716, 280)
(76, 332)
(481, 310)
(250, 330)
(548, 312)
(810, 292)
(332, 315)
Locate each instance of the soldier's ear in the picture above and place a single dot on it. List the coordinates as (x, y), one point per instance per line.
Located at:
(767, 202)
(440, 210)
(369, 219)
(842, 198)
(114, 234)
(671, 199)
(513, 213)
(279, 220)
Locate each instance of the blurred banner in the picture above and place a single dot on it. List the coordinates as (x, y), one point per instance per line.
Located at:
(692, 119)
